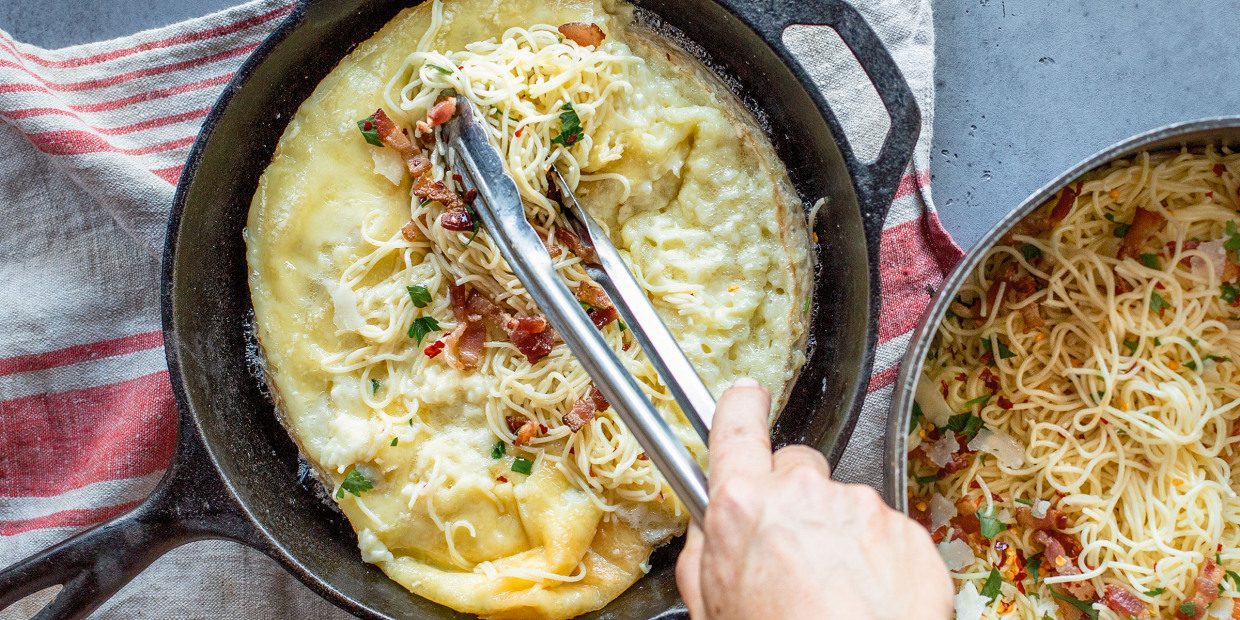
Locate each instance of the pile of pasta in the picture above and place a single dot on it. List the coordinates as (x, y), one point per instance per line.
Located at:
(1074, 445)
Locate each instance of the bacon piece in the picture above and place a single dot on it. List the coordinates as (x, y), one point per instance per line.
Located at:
(957, 462)
(463, 347)
(1058, 560)
(1053, 520)
(1144, 225)
(989, 379)
(415, 161)
(514, 422)
(1219, 169)
(965, 312)
(1033, 317)
(1123, 600)
(585, 35)
(532, 335)
(437, 191)
(1064, 206)
(600, 309)
(552, 249)
(600, 401)
(1205, 591)
(409, 231)
(570, 239)
(526, 433)
(441, 112)
(584, 409)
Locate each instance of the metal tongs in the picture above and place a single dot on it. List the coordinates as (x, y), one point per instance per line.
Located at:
(498, 203)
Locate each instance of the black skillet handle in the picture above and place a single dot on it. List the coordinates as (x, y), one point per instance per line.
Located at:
(876, 182)
(190, 503)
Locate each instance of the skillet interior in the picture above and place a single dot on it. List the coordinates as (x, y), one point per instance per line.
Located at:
(207, 301)
(1220, 131)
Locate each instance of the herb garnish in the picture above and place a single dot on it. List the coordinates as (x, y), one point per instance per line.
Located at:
(990, 526)
(924, 480)
(423, 326)
(1120, 229)
(354, 483)
(966, 424)
(369, 130)
(440, 69)
(980, 400)
(1233, 241)
(1229, 292)
(374, 386)
(1189, 609)
(1151, 261)
(1033, 565)
(395, 440)
(522, 465)
(1003, 351)
(1155, 592)
(993, 583)
(1086, 607)
(1024, 501)
(498, 450)
(915, 418)
(1131, 345)
(1158, 304)
(1030, 251)
(419, 295)
(570, 126)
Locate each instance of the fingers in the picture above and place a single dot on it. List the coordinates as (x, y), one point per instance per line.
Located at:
(689, 572)
(740, 442)
(792, 457)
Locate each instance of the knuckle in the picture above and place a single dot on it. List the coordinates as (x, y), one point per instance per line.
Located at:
(735, 499)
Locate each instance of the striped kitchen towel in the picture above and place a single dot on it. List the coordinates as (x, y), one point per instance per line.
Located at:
(92, 143)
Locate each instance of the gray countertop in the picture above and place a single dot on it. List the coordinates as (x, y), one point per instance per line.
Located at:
(1025, 88)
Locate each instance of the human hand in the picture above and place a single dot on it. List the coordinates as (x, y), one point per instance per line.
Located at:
(781, 540)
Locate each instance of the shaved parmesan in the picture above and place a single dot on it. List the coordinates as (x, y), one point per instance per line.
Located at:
(956, 554)
(1039, 508)
(932, 403)
(941, 451)
(388, 164)
(1000, 444)
(969, 603)
(1216, 255)
(344, 300)
(941, 511)
(1222, 608)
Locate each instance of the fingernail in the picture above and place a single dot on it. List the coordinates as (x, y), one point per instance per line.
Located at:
(746, 382)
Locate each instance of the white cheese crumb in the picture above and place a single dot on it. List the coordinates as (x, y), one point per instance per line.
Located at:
(373, 549)
(941, 511)
(970, 604)
(389, 164)
(1002, 445)
(941, 451)
(956, 554)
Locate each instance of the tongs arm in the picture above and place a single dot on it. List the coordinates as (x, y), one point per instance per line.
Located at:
(499, 205)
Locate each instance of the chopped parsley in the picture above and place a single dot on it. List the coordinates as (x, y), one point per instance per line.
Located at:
(1151, 261)
(1191, 365)
(1131, 345)
(999, 348)
(1216, 358)
(1158, 304)
(1033, 565)
(621, 325)
(1157, 341)
(980, 400)
(354, 483)
(369, 130)
(915, 418)
(1192, 341)
(1154, 592)
(395, 440)
(423, 326)
(1030, 251)
(1024, 501)
(806, 307)
(475, 219)
(419, 295)
(993, 583)
(498, 450)
(570, 126)
(1086, 607)
(965, 424)
(374, 386)
(1229, 292)
(924, 480)
(1233, 237)
(990, 526)
(440, 69)
(1189, 609)
(522, 465)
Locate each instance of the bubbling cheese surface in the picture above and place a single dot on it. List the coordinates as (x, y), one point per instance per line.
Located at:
(692, 196)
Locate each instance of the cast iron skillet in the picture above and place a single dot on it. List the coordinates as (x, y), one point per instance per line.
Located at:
(236, 473)
(1222, 131)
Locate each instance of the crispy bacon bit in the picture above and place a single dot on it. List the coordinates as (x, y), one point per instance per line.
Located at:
(515, 422)
(532, 335)
(965, 312)
(1004, 403)
(584, 409)
(598, 306)
(441, 112)
(585, 35)
(409, 231)
(465, 343)
(415, 161)
(1058, 561)
(1064, 206)
(1144, 225)
(526, 433)
(989, 379)
(434, 348)
(437, 191)
(458, 220)
(1052, 520)
(1017, 285)
(1032, 314)
(1123, 600)
(570, 239)
(1205, 591)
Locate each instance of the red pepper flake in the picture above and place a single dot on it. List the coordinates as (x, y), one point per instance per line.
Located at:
(458, 179)
(1219, 169)
(1209, 194)
(470, 195)
(974, 485)
(542, 428)
(501, 479)
(1004, 403)
(434, 348)
(643, 457)
(962, 377)
(520, 130)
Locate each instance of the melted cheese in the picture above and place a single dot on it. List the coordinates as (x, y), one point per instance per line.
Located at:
(705, 217)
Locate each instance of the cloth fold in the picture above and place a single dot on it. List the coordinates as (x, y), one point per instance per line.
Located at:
(93, 140)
